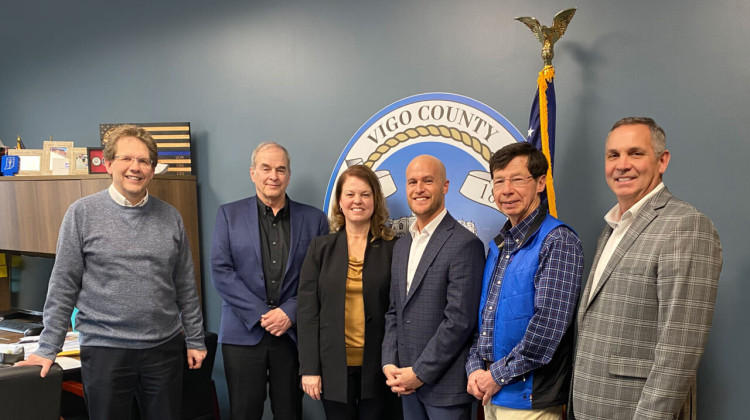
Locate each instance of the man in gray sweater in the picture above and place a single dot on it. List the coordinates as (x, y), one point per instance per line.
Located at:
(123, 259)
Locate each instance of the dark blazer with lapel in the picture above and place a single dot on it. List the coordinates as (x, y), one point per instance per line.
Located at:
(237, 267)
(320, 313)
(640, 338)
(431, 327)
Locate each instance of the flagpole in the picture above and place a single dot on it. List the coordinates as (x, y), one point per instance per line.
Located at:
(544, 108)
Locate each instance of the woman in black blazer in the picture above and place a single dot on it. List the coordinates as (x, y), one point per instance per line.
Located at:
(341, 304)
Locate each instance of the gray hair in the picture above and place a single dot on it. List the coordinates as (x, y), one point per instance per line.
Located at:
(658, 137)
(268, 145)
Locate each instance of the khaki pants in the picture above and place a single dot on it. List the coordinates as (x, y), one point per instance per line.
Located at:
(495, 412)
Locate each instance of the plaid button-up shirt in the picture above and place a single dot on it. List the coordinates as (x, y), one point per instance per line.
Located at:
(557, 283)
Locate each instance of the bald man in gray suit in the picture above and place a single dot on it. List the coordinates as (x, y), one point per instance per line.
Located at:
(646, 311)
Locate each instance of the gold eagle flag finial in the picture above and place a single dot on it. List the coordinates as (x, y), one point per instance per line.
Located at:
(548, 36)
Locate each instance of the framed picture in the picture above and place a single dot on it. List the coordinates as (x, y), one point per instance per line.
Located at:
(79, 161)
(30, 161)
(56, 157)
(96, 160)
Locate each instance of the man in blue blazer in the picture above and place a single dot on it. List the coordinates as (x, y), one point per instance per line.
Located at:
(436, 279)
(258, 247)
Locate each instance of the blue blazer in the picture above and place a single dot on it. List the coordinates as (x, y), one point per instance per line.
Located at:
(237, 267)
(431, 327)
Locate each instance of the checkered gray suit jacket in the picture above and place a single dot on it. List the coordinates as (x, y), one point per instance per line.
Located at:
(431, 327)
(640, 338)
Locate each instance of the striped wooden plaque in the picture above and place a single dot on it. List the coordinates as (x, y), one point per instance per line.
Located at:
(172, 140)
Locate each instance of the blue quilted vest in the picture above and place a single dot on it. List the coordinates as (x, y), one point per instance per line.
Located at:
(515, 308)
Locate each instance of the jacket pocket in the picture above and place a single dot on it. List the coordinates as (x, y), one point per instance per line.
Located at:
(629, 366)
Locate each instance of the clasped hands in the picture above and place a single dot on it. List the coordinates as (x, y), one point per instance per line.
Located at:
(482, 386)
(275, 322)
(403, 381)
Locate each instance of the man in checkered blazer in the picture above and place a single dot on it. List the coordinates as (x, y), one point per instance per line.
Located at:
(646, 310)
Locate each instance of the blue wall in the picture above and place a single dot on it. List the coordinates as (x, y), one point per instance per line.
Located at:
(309, 73)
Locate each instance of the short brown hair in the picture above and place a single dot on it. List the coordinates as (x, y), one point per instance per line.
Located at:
(378, 222)
(129, 130)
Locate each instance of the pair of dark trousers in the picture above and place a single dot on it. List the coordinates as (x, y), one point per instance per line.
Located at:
(356, 408)
(113, 377)
(415, 409)
(273, 362)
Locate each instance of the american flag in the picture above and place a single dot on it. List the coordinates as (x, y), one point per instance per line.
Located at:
(172, 141)
(542, 127)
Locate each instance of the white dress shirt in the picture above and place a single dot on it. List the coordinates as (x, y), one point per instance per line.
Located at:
(419, 242)
(121, 200)
(620, 223)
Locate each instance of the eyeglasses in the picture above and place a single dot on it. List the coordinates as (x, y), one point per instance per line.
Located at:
(128, 160)
(519, 181)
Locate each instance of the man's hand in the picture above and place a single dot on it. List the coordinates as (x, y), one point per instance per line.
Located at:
(390, 376)
(34, 360)
(487, 385)
(390, 372)
(405, 381)
(313, 386)
(489, 394)
(472, 387)
(195, 358)
(275, 322)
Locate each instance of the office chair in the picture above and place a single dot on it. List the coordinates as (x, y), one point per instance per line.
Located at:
(199, 400)
(25, 395)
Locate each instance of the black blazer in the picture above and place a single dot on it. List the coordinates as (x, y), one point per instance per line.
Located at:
(320, 314)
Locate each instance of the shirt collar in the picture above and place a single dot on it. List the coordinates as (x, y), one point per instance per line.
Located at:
(613, 216)
(430, 228)
(264, 209)
(519, 231)
(121, 200)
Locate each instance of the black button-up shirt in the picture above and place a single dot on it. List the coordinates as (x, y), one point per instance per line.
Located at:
(274, 242)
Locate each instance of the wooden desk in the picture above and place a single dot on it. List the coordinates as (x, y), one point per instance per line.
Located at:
(8, 337)
(33, 208)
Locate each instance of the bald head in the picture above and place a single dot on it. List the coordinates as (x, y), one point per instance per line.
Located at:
(428, 163)
(426, 186)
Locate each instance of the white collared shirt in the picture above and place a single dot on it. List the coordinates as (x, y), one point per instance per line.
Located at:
(419, 242)
(620, 223)
(121, 200)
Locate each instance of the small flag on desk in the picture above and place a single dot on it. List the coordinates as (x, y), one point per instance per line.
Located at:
(542, 126)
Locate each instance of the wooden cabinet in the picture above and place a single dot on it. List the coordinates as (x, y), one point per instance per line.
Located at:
(32, 209)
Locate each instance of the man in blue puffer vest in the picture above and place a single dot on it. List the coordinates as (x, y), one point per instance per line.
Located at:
(519, 365)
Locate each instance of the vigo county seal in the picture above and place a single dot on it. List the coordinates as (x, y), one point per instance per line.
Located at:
(460, 131)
